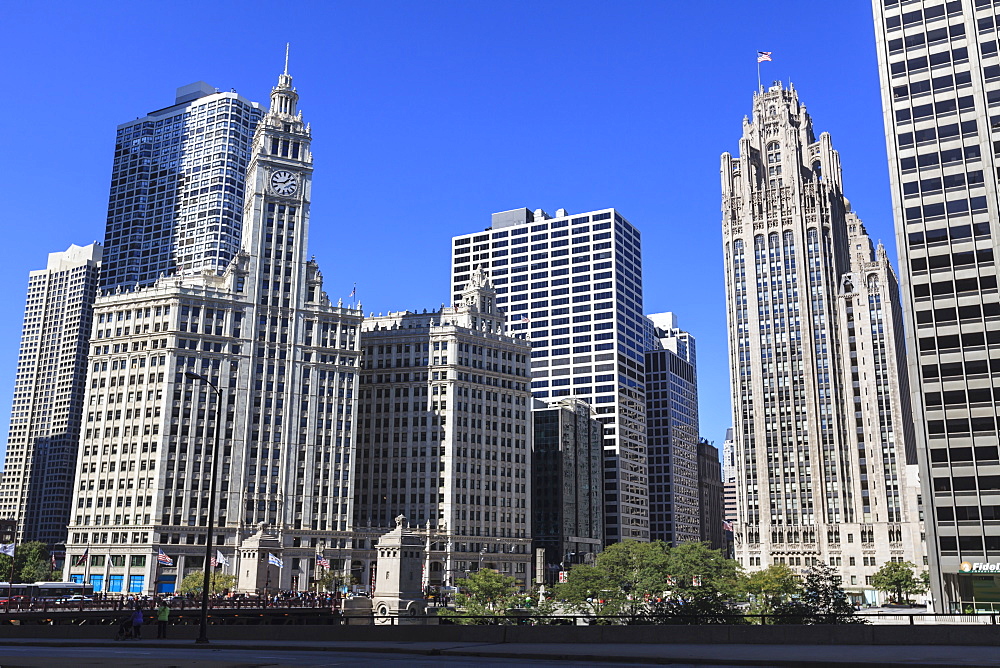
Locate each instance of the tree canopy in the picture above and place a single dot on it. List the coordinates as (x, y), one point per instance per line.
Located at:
(194, 582)
(486, 594)
(32, 563)
(897, 579)
(637, 580)
(770, 588)
(823, 600)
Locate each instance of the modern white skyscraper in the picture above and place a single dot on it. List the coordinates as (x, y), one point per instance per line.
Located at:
(822, 422)
(36, 489)
(939, 65)
(442, 437)
(573, 284)
(671, 337)
(177, 183)
(284, 360)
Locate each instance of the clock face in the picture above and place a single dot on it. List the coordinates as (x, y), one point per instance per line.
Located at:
(284, 183)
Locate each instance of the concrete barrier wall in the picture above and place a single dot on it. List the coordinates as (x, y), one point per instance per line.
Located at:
(783, 635)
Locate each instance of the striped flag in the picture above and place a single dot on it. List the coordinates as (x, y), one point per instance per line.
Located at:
(219, 559)
(764, 56)
(271, 559)
(83, 558)
(164, 559)
(322, 561)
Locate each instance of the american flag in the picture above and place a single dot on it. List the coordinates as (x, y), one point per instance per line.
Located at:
(354, 291)
(83, 558)
(763, 56)
(727, 526)
(219, 558)
(322, 561)
(164, 559)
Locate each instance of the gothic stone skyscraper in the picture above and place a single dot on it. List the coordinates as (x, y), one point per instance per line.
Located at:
(822, 420)
(286, 360)
(37, 484)
(940, 72)
(177, 183)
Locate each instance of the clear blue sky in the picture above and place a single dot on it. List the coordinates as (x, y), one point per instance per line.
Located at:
(429, 116)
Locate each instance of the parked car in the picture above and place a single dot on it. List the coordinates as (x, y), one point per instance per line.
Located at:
(75, 598)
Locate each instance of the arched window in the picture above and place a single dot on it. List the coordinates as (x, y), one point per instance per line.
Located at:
(773, 151)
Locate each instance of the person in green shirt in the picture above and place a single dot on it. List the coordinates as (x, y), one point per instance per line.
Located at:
(162, 619)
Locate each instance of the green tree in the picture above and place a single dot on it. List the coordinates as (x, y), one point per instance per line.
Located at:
(897, 579)
(624, 577)
(219, 583)
(484, 593)
(770, 588)
(823, 600)
(701, 585)
(638, 581)
(32, 563)
(332, 580)
(589, 590)
(698, 569)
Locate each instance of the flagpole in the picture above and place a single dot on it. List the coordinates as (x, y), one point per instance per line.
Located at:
(758, 72)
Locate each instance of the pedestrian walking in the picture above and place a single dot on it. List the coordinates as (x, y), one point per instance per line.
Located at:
(137, 620)
(162, 619)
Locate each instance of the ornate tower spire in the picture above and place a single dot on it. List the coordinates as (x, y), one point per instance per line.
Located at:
(283, 96)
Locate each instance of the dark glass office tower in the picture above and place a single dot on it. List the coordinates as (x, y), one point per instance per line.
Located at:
(176, 202)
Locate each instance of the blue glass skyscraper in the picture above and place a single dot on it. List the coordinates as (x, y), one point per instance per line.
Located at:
(176, 201)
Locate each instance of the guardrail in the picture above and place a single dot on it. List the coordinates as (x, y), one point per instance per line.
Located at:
(231, 611)
(175, 606)
(526, 617)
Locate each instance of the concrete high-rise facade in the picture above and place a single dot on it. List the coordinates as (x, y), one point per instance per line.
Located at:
(443, 437)
(567, 479)
(36, 489)
(285, 360)
(729, 475)
(177, 186)
(672, 433)
(573, 284)
(822, 423)
(710, 509)
(940, 73)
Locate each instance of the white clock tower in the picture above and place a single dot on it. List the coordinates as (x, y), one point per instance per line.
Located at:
(284, 362)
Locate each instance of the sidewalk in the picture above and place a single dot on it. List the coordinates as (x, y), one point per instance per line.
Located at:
(813, 656)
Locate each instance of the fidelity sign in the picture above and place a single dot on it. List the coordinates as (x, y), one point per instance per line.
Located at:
(968, 567)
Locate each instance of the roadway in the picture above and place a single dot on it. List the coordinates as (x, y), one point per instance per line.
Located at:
(159, 657)
(423, 654)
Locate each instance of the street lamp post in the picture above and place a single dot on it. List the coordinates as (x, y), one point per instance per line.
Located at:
(203, 628)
